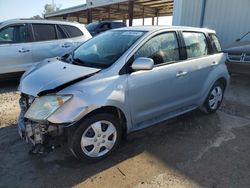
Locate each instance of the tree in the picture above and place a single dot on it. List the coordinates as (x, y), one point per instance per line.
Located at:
(48, 8)
(37, 17)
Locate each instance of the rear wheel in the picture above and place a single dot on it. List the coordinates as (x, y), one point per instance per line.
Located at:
(96, 137)
(214, 98)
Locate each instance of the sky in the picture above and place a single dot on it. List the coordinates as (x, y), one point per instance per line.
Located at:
(10, 9)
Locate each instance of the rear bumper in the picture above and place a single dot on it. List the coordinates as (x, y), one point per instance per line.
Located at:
(238, 67)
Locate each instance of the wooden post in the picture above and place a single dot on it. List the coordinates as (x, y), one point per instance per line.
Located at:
(153, 20)
(130, 12)
(65, 17)
(143, 20)
(157, 17)
(89, 16)
(108, 12)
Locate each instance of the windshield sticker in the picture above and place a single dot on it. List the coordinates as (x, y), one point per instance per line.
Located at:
(133, 33)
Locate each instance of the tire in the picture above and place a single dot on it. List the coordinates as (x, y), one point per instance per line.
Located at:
(96, 137)
(215, 98)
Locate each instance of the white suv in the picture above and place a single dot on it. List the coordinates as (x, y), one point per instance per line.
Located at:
(24, 42)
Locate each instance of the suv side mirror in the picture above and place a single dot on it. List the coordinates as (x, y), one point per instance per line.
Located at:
(237, 40)
(143, 63)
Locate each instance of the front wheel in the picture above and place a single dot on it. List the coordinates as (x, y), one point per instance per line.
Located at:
(215, 97)
(96, 137)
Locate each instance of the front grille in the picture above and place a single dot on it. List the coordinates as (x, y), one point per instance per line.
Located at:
(239, 57)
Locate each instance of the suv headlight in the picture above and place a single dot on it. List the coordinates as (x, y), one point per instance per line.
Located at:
(45, 106)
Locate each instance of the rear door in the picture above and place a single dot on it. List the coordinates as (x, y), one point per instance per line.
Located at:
(49, 41)
(199, 63)
(15, 49)
(75, 37)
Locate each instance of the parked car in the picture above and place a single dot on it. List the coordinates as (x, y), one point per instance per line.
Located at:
(101, 92)
(238, 59)
(23, 42)
(96, 28)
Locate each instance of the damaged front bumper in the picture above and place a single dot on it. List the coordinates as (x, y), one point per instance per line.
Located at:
(41, 135)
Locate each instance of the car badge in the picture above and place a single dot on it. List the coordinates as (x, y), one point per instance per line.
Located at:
(242, 57)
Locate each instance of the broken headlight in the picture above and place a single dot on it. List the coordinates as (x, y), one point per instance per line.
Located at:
(45, 106)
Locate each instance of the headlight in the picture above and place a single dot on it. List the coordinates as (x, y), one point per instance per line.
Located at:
(45, 106)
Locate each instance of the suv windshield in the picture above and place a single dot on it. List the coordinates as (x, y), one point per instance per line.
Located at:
(103, 50)
(91, 27)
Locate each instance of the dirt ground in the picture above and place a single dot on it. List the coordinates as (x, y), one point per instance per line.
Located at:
(194, 150)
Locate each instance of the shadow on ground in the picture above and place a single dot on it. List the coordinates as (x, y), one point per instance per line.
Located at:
(210, 150)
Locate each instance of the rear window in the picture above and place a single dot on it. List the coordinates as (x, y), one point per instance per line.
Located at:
(196, 44)
(72, 31)
(215, 43)
(118, 25)
(44, 32)
(92, 26)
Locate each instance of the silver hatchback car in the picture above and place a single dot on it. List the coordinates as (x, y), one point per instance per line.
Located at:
(24, 42)
(118, 82)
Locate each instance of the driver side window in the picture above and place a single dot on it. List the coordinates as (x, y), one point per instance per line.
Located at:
(162, 48)
(13, 34)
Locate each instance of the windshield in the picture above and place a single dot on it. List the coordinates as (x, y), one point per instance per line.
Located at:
(91, 27)
(103, 50)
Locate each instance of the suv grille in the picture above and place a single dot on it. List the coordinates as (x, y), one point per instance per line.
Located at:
(239, 57)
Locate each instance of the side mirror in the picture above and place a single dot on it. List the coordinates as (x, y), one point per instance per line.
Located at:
(237, 40)
(143, 63)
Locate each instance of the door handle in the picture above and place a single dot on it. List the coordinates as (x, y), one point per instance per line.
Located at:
(181, 74)
(214, 63)
(23, 50)
(66, 45)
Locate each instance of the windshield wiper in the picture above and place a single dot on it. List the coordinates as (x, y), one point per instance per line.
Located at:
(67, 58)
(78, 61)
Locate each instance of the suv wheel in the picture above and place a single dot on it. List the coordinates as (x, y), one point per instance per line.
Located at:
(214, 98)
(96, 137)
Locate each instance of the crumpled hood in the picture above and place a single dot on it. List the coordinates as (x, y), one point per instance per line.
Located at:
(52, 75)
(238, 47)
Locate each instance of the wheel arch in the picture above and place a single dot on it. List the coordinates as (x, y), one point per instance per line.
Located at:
(117, 112)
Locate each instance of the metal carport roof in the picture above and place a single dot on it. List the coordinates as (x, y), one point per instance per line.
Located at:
(115, 10)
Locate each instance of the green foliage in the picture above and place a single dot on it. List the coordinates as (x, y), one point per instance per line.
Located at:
(48, 8)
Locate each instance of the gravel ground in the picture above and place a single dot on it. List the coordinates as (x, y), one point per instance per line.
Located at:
(194, 150)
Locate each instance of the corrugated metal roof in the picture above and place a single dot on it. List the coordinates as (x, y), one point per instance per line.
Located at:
(117, 9)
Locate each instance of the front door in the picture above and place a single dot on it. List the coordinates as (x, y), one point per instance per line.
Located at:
(154, 94)
(15, 49)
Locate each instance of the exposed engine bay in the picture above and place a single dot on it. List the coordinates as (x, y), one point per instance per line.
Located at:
(41, 135)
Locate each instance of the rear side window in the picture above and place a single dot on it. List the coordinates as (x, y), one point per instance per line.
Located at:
(215, 43)
(14, 34)
(162, 48)
(196, 44)
(72, 31)
(44, 32)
